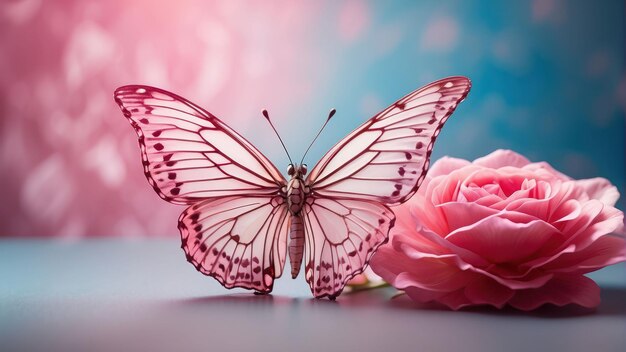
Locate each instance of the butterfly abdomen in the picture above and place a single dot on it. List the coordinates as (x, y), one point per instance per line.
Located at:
(296, 195)
(296, 244)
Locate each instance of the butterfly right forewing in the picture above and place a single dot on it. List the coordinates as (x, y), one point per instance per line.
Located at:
(386, 158)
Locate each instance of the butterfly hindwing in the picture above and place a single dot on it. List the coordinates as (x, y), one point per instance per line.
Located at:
(189, 154)
(341, 236)
(240, 241)
(386, 158)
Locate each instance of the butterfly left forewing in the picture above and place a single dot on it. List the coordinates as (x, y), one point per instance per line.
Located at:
(380, 164)
(189, 154)
(241, 240)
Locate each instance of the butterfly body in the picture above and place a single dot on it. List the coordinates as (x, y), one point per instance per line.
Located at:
(297, 192)
(243, 218)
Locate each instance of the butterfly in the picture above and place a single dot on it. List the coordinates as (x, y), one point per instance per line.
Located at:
(243, 217)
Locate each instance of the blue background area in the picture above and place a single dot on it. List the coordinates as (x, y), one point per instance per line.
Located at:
(546, 87)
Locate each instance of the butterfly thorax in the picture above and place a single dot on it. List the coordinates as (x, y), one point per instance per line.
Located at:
(297, 190)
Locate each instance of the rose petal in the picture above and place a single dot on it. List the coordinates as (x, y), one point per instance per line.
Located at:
(569, 210)
(406, 243)
(543, 168)
(540, 208)
(464, 214)
(561, 290)
(601, 189)
(401, 271)
(405, 222)
(500, 158)
(581, 232)
(607, 250)
(609, 220)
(388, 263)
(444, 191)
(435, 275)
(467, 258)
(492, 201)
(446, 165)
(589, 214)
(487, 291)
(532, 280)
(500, 240)
(470, 262)
(455, 300)
(424, 213)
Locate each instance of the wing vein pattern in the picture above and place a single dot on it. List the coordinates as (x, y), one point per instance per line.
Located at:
(190, 155)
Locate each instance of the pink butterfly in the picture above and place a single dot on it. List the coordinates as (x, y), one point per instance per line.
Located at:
(241, 209)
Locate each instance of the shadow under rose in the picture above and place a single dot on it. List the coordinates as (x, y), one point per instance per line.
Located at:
(613, 304)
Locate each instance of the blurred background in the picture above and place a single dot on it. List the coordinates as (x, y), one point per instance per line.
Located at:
(548, 82)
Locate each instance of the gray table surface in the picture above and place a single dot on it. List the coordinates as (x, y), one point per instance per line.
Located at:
(116, 294)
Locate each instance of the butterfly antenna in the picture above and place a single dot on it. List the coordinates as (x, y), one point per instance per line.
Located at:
(267, 117)
(330, 114)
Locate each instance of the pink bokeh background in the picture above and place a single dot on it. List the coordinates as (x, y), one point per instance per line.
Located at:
(75, 167)
(69, 162)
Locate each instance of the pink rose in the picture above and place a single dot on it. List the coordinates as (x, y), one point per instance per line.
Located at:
(501, 230)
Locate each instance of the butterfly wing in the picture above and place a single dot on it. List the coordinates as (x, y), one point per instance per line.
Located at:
(380, 164)
(341, 237)
(240, 241)
(386, 158)
(235, 228)
(189, 154)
